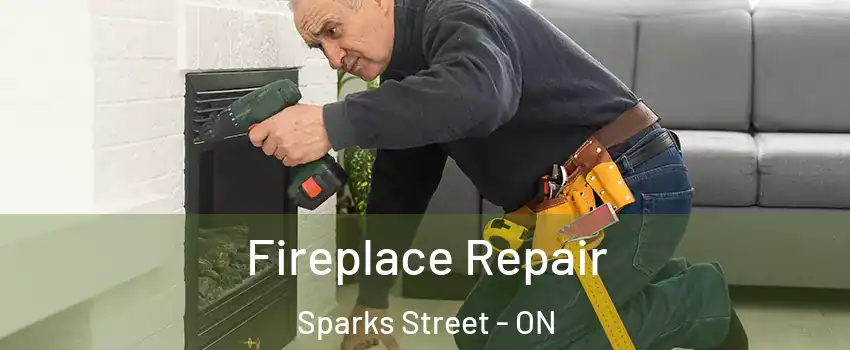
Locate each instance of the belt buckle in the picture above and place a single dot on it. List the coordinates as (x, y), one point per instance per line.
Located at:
(590, 225)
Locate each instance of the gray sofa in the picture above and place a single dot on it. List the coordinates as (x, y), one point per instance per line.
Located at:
(760, 98)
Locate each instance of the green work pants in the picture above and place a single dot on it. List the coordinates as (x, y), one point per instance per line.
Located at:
(663, 301)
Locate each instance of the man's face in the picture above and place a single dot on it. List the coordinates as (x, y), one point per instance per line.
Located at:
(355, 35)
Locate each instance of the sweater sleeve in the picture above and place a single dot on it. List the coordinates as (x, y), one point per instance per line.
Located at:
(471, 87)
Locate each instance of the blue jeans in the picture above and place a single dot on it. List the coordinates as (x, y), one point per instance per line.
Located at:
(664, 302)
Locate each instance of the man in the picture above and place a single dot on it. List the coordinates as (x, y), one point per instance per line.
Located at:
(506, 95)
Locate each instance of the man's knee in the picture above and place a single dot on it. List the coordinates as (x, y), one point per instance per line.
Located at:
(474, 339)
(532, 327)
(512, 336)
(465, 341)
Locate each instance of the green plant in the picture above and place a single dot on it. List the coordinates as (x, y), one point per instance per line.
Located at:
(357, 163)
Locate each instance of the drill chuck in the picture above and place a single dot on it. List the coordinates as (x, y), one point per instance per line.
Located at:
(219, 127)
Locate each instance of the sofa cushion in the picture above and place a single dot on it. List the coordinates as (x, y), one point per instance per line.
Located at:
(828, 7)
(608, 29)
(609, 39)
(644, 8)
(778, 247)
(695, 69)
(802, 72)
(804, 170)
(722, 166)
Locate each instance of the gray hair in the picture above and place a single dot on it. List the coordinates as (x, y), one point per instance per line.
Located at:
(354, 4)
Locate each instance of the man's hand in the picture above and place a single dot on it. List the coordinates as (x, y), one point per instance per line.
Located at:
(359, 340)
(296, 135)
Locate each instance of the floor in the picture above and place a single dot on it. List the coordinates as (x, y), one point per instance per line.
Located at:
(775, 319)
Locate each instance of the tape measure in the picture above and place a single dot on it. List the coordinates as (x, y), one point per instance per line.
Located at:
(503, 234)
(558, 230)
(601, 301)
(593, 225)
(608, 183)
(506, 234)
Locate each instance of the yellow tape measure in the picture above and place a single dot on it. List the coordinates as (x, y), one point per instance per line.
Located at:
(505, 234)
(577, 220)
(608, 183)
(601, 301)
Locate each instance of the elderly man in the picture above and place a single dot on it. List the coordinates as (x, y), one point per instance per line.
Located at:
(506, 95)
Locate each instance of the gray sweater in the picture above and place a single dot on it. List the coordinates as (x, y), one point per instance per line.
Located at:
(491, 84)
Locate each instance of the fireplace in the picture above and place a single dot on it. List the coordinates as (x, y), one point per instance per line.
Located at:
(235, 193)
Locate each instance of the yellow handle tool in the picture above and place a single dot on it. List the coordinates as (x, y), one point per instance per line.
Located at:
(593, 286)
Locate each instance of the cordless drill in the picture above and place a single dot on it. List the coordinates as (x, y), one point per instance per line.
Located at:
(314, 182)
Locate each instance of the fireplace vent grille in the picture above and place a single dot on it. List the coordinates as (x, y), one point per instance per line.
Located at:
(212, 92)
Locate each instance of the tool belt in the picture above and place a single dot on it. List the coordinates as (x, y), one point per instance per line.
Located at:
(566, 217)
(567, 209)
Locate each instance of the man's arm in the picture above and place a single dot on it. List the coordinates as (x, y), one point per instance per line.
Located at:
(472, 86)
(403, 182)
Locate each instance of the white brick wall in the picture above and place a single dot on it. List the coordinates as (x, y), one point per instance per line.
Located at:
(110, 140)
(61, 65)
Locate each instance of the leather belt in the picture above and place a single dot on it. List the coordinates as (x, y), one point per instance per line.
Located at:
(658, 144)
(594, 150)
(631, 122)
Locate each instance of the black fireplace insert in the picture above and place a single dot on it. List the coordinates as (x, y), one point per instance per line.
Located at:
(235, 194)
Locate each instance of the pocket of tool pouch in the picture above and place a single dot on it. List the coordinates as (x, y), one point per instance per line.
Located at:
(664, 218)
